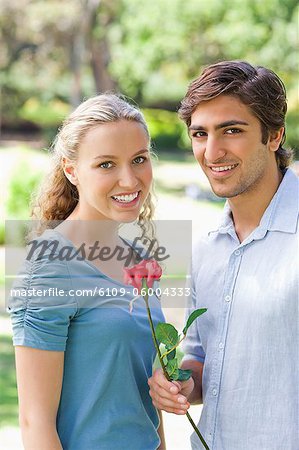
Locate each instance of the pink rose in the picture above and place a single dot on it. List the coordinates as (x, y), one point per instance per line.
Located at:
(147, 268)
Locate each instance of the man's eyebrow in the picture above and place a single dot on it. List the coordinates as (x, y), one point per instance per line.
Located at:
(143, 150)
(228, 123)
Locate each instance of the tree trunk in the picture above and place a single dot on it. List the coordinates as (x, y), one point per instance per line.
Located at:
(100, 57)
(76, 51)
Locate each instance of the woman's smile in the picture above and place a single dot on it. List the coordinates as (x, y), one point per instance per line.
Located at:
(125, 200)
(113, 172)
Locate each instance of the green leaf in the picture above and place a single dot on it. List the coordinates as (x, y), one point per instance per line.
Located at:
(184, 374)
(192, 317)
(172, 369)
(167, 334)
(171, 355)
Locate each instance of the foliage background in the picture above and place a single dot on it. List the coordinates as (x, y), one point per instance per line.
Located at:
(56, 53)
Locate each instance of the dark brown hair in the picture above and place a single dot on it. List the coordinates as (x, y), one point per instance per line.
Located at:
(257, 87)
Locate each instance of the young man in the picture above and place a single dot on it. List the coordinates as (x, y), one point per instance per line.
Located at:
(244, 350)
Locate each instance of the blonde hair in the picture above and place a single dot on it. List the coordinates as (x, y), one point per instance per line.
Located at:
(57, 196)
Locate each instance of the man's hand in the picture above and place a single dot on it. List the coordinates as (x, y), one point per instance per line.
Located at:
(170, 396)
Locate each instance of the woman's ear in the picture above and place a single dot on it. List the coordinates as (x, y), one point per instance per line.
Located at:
(275, 139)
(70, 171)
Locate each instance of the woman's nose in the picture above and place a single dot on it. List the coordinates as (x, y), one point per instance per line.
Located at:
(127, 178)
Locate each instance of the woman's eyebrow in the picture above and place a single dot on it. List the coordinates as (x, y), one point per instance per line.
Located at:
(144, 150)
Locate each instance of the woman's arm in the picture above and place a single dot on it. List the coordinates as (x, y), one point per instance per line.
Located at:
(39, 380)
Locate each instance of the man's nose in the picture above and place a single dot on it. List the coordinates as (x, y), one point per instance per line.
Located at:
(214, 149)
(127, 178)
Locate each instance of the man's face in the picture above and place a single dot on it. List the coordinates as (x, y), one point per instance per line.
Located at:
(227, 143)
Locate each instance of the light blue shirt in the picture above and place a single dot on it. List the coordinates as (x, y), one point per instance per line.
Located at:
(248, 339)
(105, 402)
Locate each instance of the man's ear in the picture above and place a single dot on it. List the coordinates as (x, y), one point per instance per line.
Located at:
(69, 171)
(275, 139)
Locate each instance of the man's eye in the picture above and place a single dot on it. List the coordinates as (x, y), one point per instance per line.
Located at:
(106, 165)
(199, 134)
(233, 131)
(139, 160)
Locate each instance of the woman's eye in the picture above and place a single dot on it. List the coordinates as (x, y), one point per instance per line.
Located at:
(106, 165)
(139, 160)
(233, 131)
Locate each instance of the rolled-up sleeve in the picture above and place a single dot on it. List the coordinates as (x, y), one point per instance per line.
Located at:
(40, 306)
(192, 347)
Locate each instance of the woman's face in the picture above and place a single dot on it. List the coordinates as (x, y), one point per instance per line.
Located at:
(113, 172)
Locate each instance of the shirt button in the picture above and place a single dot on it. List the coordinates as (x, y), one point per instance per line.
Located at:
(221, 345)
(237, 252)
(215, 392)
(227, 298)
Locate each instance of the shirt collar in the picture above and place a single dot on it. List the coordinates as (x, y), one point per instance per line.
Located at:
(280, 215)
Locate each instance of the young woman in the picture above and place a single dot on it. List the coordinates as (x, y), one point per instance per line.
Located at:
(82, 358)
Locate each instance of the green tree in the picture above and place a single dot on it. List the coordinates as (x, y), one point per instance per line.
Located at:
(147, 50)
(53, 49)
(158, 47)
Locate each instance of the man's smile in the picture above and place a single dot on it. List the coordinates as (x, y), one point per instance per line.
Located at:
(222, 170)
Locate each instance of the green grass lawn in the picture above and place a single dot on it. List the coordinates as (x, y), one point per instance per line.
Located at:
(8, 388)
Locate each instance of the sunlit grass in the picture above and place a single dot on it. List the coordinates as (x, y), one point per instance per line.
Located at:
(8, 389)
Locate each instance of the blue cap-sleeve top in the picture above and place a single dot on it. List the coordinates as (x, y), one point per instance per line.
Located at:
(105, 402)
